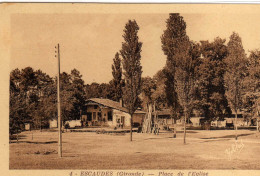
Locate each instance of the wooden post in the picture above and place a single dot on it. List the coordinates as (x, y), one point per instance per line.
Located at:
(257, 117)
(184, 137)
(17, 137)
(257, 124)
(58, 103)
(131, 128)
(236, 124)
(175, 129)
(40, 124)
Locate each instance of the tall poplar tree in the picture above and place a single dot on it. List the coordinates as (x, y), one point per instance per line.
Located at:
(235, 72)
(131, 54)
(171, 39)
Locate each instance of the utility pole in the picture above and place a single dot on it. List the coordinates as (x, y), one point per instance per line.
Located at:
(57, 55)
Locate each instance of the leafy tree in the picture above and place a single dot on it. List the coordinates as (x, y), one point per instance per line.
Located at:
(33, 96)
(15, 80)
(148, 87)
(159, 94)
(171, 40)
(78, 93)
(66, 96)
(28, 86)
(72, 95)
(210, 95)
(117, 78)
(131, 54)
(44, 93)
(235, 72)
(28, 95)
(92, 90)
(252, 86)
(16, 110)
(95, 90)
(185, 77)
(28, 80)
(105, 90)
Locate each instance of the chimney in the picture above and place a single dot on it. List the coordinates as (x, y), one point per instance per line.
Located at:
(121, 102)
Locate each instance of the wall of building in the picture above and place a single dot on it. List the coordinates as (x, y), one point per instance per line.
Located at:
(73, 123)
(27, 127)
(99, 115)
(219, 123)
(137, 118)
(92, 109)
(195, 121)
(105, 113)
(240, 121)
(118, 114)
(53, 123)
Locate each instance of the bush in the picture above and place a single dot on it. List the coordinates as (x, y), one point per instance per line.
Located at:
(206, 126)
(67, 126)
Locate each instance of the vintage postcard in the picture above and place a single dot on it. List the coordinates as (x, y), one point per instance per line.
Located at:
(130, 89)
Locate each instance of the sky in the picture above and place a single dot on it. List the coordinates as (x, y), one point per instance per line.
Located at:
(89, 42)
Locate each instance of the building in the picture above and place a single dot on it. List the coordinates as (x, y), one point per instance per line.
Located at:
(219, 123)
(27, 126)
(72, 123)
(241, 121)
(99, 111)
(196, 121)
(53, 123)
(164, 117)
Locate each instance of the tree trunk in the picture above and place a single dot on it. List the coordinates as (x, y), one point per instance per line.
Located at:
(236, 124)
(131, 128)
(184, 137)
(40, 124)
(175, 129)
(257, 124)
(17, 137)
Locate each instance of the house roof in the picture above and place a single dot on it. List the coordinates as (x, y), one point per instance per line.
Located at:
(111, 104)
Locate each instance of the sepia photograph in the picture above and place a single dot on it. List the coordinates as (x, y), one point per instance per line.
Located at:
(134, 87)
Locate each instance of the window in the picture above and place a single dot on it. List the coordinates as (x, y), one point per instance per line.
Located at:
(95, 106)
(109, 116)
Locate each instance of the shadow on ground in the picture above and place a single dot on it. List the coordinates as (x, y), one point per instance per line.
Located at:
(219, 139)
(228, 136)
(187, 131)
(20, 136)
(31, 142)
